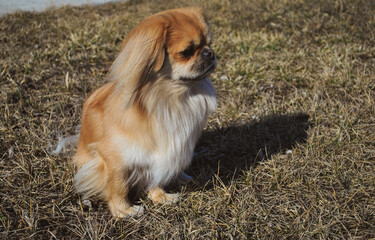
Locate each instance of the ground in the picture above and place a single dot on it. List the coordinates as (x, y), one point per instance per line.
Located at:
(289, 154)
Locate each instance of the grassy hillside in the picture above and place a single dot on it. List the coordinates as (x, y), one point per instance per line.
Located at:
(289, 154)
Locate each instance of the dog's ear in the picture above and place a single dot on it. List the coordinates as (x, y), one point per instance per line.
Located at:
(160, 54)
(141, 57)
(159, 50)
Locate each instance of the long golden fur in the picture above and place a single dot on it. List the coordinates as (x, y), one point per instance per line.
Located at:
(143, 125)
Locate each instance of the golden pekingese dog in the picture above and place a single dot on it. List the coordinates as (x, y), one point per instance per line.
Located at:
(142, 126)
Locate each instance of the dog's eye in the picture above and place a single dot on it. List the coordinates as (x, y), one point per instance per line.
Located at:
(188, 52)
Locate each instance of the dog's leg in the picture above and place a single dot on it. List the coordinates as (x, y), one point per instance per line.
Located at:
(116, 195)
(160, 196)
(104, 176)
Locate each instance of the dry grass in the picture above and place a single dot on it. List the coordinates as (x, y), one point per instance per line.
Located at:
(289, 154)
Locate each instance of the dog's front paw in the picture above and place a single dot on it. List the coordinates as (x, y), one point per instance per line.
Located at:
(135, 210)
(121, 208)
(158, 195)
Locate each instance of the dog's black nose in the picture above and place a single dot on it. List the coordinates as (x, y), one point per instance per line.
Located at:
(208, 53)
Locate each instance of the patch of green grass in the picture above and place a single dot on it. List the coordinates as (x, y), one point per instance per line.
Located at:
(289, 154)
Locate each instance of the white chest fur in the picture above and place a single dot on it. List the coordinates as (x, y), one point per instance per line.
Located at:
(177, 132)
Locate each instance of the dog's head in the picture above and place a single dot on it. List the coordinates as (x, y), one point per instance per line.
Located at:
(174, 44)
(188, 43)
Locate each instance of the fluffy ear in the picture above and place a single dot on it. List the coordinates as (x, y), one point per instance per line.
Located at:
(142, 55)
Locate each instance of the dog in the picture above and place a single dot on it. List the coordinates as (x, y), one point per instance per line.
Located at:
(142, 126)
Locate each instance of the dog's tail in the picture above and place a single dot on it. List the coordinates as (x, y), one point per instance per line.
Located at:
(92, 178)
(65, 142)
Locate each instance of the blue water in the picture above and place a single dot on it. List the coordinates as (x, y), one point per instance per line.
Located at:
(9, 6)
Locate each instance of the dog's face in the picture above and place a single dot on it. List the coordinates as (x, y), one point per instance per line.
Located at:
(188, 46)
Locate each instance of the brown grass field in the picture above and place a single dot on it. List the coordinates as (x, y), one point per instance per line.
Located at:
(289, 154)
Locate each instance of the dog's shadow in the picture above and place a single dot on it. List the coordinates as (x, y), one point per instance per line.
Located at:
(228, 152)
